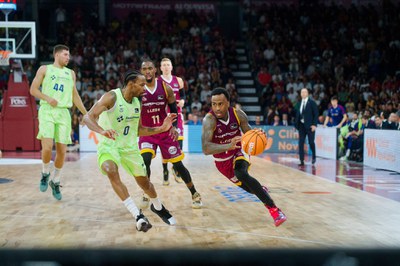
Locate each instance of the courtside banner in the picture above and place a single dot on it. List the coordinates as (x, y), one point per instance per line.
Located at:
(326, 142)
(280, 139)
(382, 149)
(87, 139)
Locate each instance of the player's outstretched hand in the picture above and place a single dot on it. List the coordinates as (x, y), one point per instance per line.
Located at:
(109, 133)
(234, 143)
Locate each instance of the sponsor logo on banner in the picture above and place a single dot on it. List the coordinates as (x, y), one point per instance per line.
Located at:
(18, 101)
(371, 147)
(281, 139)
(326, 142)
(381, 149)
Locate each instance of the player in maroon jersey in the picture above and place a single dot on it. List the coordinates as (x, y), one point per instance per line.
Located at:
(157, 97)
(221, 137)
(176, 83)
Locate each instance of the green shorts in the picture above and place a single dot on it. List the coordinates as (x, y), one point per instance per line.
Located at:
(131, 160)
(55, 123)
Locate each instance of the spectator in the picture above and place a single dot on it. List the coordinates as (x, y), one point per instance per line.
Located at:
(277, 121)
(194, 120)
(336, 113)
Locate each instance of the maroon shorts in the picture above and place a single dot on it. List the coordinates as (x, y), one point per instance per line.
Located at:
(169, 148)
(226, 165)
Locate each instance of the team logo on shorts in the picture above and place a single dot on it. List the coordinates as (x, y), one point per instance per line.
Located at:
(172, 150)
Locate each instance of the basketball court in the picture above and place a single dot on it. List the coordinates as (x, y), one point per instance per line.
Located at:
(321, 212)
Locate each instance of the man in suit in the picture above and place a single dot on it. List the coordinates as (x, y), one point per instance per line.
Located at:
(306, 124)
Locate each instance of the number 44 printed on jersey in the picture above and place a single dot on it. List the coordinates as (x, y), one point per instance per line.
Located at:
(58, 87)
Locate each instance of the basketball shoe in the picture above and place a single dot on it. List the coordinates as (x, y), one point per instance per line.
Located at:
(196, 201)
(164, 215)
(55, 187)
(144, 202)
(278, 216)
(44, 182)
(165, 178)
(177, 177)
(142, 223)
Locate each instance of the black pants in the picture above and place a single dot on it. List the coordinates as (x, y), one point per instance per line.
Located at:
(303, 132)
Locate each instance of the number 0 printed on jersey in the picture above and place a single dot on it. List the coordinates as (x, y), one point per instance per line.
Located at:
(126, 130)
(58, 87)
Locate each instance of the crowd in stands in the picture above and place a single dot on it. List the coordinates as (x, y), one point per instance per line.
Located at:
(352, 54)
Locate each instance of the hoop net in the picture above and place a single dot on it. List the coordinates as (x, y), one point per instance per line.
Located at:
(5, 58)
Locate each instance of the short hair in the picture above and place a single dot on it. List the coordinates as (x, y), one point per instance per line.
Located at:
(220, 90)
(146, 59)
(334, 98)
(131, 75)
(166, 59)
(59, 47)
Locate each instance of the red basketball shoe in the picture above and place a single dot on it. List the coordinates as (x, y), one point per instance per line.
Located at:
(278, 216)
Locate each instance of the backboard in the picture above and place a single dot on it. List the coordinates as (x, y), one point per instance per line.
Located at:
(18, 37)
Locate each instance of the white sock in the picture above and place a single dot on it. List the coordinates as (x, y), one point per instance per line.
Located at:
(131, 206)
(157, 203)
(57, 175)
(46, 168)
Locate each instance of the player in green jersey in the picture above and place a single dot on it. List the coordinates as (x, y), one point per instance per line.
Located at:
(116, 118)
(57, 95)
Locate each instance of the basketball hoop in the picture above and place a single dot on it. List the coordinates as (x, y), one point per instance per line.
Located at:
(5, 58)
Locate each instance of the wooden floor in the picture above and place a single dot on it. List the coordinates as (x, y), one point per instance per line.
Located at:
(320, 213)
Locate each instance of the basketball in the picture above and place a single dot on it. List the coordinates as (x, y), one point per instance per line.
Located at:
(254, 142)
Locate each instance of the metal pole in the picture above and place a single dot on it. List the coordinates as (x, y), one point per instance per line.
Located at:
(6, 12)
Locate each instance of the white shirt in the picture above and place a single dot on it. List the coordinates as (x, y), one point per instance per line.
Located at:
(303, 104)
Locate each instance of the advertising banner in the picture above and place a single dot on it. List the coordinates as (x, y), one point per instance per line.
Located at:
(382, 149)
(326, 142)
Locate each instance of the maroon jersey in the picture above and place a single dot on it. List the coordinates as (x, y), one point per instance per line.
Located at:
(154, 105)
(224, 131)
(174, 84)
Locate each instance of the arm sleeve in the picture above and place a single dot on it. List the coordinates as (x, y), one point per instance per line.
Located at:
(173, 109)
(182, 94)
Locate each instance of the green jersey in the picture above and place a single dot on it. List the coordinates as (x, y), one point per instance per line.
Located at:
(124, 118)
(58, 84)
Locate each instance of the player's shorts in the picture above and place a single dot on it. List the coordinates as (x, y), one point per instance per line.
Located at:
(169, 148)
(54, 123)
(131, 160)
(226, 165)
(180, 126)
